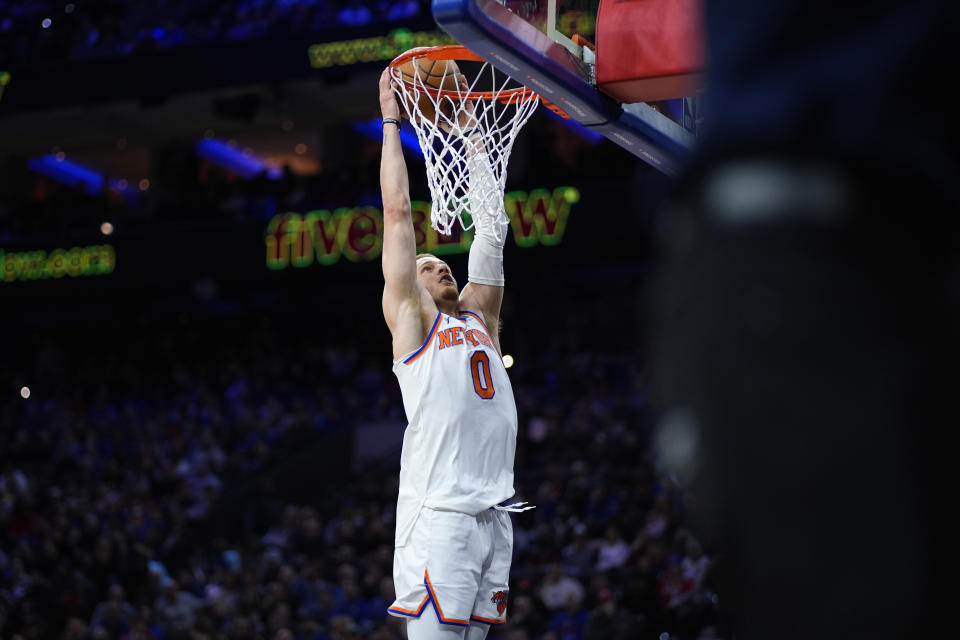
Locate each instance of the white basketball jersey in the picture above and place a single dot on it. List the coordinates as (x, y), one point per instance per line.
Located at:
(459, 445)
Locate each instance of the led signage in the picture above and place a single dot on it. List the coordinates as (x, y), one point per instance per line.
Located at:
(324, 237)
(94, 260)
(380, 48)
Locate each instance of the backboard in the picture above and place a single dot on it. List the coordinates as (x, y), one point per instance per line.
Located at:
(532, 41)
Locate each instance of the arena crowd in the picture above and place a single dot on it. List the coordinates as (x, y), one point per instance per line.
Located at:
(117, 477)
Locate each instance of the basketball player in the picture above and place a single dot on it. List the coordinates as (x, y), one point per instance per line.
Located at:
(454, 540)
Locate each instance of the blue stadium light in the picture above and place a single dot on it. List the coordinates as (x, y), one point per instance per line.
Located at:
(68, 173)
(244, 166)
(371, 129)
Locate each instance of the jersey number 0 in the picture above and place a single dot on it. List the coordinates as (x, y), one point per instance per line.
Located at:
(482, 380)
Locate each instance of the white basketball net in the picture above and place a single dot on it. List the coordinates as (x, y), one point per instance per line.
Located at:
(466, 146)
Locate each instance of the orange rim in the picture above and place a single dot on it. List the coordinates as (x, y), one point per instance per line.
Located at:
(459, 52)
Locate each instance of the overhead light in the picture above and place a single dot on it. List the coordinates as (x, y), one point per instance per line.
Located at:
(58, 168)
(233, 160)
(371, 129)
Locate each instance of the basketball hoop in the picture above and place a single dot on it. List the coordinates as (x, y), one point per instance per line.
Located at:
(466, 129)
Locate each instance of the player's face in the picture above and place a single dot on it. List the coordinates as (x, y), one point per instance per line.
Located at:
(435, 276)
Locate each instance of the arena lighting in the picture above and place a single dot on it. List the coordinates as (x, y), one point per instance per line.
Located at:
(507, 361)
(68, 173)
(24, 392)
(371, 129)
(233, 160)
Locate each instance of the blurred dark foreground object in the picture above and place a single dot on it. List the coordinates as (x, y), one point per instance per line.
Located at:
(805, 350)
(805, 315)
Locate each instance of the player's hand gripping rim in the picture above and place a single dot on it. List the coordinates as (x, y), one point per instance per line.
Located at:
(389, 107)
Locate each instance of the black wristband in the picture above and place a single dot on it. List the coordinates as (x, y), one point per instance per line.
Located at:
(390, 121)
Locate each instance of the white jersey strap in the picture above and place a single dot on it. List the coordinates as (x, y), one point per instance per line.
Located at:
(516, 507)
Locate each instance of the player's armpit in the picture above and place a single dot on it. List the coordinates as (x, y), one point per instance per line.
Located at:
(404, 318)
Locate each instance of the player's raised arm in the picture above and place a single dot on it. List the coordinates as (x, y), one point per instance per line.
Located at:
(401, 292)
(484, 291)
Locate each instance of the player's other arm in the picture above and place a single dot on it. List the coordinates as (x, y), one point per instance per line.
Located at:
(401, 292)
(483, 293)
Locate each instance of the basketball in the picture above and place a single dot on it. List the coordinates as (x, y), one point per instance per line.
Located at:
(440, 74)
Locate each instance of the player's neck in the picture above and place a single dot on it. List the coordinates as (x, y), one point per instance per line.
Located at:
(449, 307)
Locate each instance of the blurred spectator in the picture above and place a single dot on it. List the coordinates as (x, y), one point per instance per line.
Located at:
(608, 622)
(612, 551)
(568, 622)
(578, 556)
(115, 615)
(558, 590)
(674, 588)
(524, 615)
(695, 564)
(176, 609)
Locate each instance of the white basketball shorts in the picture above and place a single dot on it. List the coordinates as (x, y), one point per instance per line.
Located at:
(457, 564)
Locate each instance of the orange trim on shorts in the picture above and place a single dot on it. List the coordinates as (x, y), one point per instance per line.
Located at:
(412, 613)
(436, 604)
(488, 620)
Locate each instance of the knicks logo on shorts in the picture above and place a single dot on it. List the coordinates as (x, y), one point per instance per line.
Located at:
(500, 599)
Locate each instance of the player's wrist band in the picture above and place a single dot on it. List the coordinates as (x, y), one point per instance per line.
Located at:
(390, 121)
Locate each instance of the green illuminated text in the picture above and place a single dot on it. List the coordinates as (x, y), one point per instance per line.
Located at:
(324, 237)
(40, 265)
(347, 52)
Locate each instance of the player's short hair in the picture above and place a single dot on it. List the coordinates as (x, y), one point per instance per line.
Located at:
(427, 255)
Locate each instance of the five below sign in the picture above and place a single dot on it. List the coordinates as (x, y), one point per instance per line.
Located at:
(296, 240)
